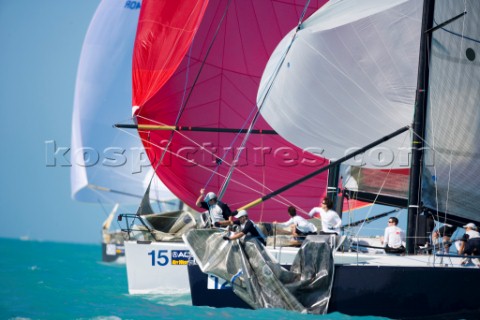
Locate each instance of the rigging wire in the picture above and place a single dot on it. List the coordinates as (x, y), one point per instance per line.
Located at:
(185, 99)
(105, 212)
(381, 187)
(257, 114)
(189, 94)
(180, 157)
(450, 160)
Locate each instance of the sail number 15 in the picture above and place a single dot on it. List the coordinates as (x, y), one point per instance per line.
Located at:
(174, 257)
(161, 258)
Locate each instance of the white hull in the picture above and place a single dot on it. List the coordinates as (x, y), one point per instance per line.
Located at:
(155, 267)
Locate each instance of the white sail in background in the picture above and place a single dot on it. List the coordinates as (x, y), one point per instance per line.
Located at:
(109, 165)
(348, 79)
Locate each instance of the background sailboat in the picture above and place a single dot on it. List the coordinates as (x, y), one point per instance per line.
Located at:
(109, 166)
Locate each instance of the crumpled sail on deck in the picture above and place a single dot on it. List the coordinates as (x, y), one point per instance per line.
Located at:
(450, 174)
(259, 279)
(215, 86)
(349, 78)
(115, 168)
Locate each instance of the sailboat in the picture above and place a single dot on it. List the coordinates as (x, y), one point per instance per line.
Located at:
(389, 64)
(109, 167)
(195, 77)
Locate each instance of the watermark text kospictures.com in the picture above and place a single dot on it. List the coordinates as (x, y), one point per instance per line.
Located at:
(114, 157)
(211, 155)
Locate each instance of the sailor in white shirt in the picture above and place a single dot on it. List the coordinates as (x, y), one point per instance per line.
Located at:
(394, 237)
(470, 243)
(331, 222)
(219, 212)
(303, 226)
(300, 228)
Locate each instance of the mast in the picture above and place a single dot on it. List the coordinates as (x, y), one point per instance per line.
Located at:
(332, 187)
(418, 127)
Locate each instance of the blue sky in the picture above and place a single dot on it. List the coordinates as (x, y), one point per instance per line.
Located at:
(41, 44)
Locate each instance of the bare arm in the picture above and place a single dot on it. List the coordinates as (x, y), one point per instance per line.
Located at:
(224, 223)
(200, 198)
(237, 235)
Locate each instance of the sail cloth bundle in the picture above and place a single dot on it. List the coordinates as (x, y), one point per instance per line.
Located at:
(168, 226)
(258, 279)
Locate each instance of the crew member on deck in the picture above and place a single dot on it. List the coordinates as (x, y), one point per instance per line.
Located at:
(247, 228)
(394, 237)
(446, 231)
(331, 221)
(470, 243)
(300, 227)
(220, 213)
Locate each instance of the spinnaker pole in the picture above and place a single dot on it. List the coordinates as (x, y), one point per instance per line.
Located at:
(153, 127)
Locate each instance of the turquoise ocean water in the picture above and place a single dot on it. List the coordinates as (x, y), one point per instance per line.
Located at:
(47, 280)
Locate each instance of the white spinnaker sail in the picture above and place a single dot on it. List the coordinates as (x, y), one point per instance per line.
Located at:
(108, 165)
(348, 79)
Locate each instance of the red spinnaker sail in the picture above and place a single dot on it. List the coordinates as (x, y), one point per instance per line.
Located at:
(164, 33)
(215, 85)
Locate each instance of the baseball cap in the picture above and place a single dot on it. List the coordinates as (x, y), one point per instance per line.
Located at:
(210, 196)
(241, 213)
(470, 225)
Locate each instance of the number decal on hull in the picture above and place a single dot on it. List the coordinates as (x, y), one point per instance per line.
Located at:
(162, 257)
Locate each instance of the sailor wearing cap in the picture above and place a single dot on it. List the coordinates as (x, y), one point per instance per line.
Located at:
(470, 242)
(470, 226)
(219, 212)
(247, 228)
